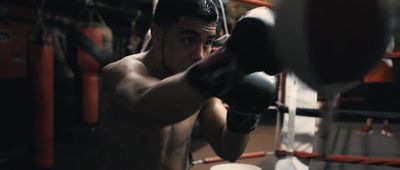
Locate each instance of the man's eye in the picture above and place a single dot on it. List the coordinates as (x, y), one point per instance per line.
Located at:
(187, 40)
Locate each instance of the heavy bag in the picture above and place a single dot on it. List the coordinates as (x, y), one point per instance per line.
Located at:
(331, 44)
(381, 73)
(41, 73)
(94, 51)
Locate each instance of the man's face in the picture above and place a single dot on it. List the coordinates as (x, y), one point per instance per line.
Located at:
(187, 42)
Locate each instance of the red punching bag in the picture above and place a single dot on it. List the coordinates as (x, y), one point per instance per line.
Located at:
(94, 51)
(381, 73)
(331, 44)
(41, 71)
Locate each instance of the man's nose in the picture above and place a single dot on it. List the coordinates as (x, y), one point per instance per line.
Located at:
(200, 53)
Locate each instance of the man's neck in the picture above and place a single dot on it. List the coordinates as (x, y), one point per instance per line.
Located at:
(154, 63)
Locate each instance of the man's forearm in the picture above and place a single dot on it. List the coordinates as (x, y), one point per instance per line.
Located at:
(232, 144)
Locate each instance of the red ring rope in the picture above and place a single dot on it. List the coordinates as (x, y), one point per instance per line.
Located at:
(342, 158)
(257, 2)
(393, 55)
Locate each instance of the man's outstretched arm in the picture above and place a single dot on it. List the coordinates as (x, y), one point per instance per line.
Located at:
(130, 91)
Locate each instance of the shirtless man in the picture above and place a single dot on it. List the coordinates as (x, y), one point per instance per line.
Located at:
(154, 98)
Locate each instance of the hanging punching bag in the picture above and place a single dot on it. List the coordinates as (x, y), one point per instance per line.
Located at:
(332, 44)
(94, 51)
(41, 71)
(381, 73)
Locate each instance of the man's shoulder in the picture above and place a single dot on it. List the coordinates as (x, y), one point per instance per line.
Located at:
(125, 67)
(128, 64)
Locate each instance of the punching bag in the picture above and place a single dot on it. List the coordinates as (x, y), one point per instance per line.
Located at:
(381, 73)
(41, 71)
(331, 44)
(94, 51)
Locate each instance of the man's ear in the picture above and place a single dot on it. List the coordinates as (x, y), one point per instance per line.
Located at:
(156, 35)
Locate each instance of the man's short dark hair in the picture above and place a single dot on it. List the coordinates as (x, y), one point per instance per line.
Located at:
(169, 12)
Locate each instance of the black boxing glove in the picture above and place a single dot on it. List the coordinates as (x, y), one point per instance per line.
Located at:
(248, 49)
(252, 42)
(215, 74)
(247, 99)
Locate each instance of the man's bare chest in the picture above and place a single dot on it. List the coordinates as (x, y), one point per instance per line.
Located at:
(169, 137)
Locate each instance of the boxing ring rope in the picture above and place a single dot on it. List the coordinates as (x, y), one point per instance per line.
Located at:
(257, 2)
(338, 158)
(344, 112)
(353, 159)
(219, 159)
(393, 55)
